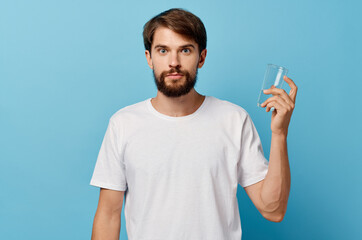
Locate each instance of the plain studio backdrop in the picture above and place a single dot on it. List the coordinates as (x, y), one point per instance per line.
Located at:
(67, 66)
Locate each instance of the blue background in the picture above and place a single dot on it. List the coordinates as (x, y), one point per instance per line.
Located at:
(67, 66)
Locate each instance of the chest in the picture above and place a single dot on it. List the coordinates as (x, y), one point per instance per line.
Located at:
(182, 150)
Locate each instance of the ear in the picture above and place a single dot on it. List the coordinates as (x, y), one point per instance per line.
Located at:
(202, 58)
(149, 59)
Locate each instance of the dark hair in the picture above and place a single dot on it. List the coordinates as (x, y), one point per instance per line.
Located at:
(179, 21)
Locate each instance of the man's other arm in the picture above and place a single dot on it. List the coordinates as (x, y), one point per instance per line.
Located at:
(107, 220)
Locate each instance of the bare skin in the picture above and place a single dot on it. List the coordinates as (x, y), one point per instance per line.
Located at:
(107, 220)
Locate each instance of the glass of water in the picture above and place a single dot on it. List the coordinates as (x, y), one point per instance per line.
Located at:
(273, 77)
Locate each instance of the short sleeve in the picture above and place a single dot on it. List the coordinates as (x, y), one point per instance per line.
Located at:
(109, 171)
(252, 166)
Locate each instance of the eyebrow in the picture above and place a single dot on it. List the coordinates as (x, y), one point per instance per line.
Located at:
(183, 46)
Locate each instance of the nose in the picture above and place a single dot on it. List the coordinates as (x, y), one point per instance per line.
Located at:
(174, 61)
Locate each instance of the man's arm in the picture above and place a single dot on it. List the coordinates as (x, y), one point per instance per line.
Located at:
(107, 220)
(270, 196)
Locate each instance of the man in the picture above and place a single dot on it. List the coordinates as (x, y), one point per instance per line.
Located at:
(178, 158)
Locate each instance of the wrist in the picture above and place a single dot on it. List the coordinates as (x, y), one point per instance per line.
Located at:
(281, 136)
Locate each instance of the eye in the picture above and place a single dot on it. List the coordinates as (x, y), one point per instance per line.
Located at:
(186, 50)
(162, 50)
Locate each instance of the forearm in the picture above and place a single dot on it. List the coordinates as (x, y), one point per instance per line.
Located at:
(106, 226)
(275, 190)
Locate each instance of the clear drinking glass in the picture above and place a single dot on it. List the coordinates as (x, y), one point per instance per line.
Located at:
(273, 76)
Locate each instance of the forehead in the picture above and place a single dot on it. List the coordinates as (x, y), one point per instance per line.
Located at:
(166, 36)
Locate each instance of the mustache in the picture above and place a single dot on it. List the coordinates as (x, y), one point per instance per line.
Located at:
(175, 70)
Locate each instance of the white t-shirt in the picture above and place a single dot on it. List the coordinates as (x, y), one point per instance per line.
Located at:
(181, 173)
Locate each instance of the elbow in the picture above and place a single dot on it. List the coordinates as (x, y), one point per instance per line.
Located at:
(275, 217)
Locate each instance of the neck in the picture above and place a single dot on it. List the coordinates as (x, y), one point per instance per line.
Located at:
(178, 106)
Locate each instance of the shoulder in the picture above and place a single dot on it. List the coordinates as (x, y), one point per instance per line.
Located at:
(227, 108)
(129, 112)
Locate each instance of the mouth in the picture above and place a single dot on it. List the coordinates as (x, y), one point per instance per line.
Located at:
(174, 76)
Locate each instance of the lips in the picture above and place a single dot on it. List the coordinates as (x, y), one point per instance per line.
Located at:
(174, 74)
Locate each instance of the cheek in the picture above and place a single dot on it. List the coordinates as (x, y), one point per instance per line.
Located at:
(159, 65)
(158, 70)
(192, 64)
(157, 60)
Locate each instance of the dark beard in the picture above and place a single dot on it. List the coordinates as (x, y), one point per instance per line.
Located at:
(175, 91)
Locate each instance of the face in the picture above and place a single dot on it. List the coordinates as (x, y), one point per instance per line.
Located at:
(175, 61)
